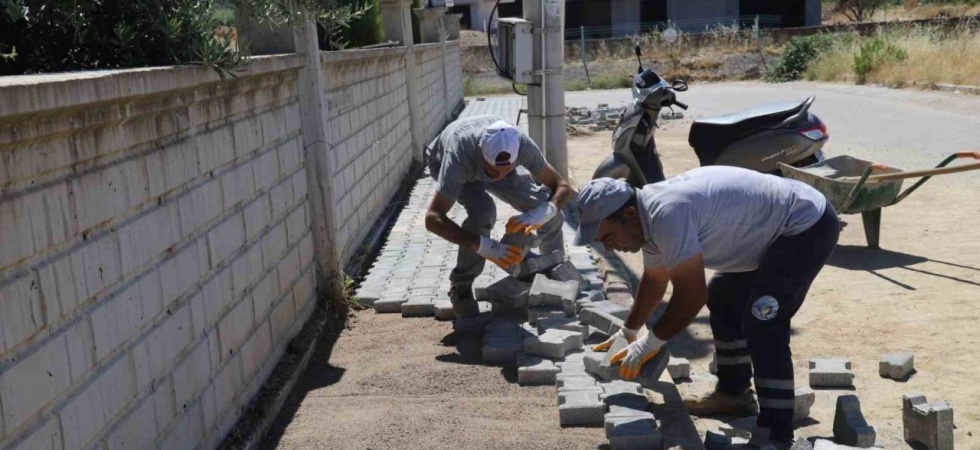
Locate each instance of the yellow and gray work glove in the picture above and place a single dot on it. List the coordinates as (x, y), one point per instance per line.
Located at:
(627, 333)
(500, 254)
(533, 219)
(637, 354)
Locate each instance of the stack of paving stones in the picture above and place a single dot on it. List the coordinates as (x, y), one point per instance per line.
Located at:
(543, 320)
(600, 119)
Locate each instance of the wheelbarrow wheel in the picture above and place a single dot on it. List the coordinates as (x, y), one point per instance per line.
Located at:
(872, 227)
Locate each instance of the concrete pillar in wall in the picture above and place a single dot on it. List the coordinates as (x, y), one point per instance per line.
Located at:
(397, 15)
(625, 16)
(430, 23)
(316, 136)
(451, 22)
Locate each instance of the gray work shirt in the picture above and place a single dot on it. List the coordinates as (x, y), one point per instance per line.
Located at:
(727, 214)
(460, 160)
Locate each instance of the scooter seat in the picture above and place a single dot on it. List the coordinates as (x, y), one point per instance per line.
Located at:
(715, 133)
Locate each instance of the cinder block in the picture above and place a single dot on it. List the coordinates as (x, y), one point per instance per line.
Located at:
(443, 310)
(566, 271)
(850, 428)
(896, 366)
(633, 433)
(928, 423)
(192, 374)
(499, 349)
(256, 349)
(535, 371)
(418, 306)
(553, 343)
(831, 372)
(90, 410)
(509, 292)
(563, 323)
(392, 304)
(623, 393)
(605, 322)
(610, 307)
(803, 400)
(536, 313)
(679, 368)
(552, 293)
(580, 408)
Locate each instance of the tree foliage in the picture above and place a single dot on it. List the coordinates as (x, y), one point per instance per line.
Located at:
(859, 10)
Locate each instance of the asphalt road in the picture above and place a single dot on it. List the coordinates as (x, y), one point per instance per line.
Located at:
(902, 128)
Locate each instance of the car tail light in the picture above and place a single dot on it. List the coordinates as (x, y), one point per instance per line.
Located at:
(817, 132)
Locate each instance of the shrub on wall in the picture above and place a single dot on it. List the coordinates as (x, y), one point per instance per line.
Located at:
(797, 56)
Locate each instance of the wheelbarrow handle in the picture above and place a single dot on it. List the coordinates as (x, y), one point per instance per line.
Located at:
(941, 169)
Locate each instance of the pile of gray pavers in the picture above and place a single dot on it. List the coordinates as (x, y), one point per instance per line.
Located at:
(600, 119)
(929, 424)
(544, 322)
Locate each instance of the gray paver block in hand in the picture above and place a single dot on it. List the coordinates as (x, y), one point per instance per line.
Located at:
(605, 369)
(651, 371)
(928, 423)
(535, 370)
(522, 240)
(580, 408)
(537, 313)
(553, 343)
(501, 349)
(549, 292)
(897, 366)
(534, 263)
(679, 368)
(803, 400)
(564, 323)
(850, 428)
(605, 322)
(831, 372)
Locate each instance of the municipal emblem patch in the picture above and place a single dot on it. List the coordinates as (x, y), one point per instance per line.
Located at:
(765, 308)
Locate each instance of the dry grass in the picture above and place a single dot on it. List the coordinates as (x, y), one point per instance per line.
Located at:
(909, 10)
(934, 56)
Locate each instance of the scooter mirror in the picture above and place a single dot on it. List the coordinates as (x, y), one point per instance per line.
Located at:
(679, 85)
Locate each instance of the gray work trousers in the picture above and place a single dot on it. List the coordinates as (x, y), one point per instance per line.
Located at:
(517, 189)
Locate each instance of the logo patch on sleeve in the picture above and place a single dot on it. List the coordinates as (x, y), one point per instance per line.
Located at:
(765, 308)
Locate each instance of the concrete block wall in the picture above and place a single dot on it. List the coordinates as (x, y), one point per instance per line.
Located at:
(155, 252)
(439, 91)
(370, 123)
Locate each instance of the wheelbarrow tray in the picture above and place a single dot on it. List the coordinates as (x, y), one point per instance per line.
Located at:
(826, 177)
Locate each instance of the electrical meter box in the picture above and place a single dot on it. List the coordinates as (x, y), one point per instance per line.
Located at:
(515, 45)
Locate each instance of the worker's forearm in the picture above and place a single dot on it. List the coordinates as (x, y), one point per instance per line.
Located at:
(648, 296)
(563, 193)
(681, 311)
(442, 226)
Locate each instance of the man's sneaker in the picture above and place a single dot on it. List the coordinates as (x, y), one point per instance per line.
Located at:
(720, 403)
(464, 305)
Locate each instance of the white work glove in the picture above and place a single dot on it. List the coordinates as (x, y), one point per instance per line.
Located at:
(628, 334)
(533, 219)
(637, 354)
(500, 254)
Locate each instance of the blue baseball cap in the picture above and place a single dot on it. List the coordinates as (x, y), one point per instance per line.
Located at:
(597, 200)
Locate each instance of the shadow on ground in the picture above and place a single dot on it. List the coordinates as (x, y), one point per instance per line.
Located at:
(873, 261)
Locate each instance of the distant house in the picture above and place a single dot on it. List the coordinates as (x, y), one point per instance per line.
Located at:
(617, 18)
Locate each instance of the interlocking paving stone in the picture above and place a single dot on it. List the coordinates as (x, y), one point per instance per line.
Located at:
(928, 423)
(580, 408)
(564, 323)
(896, 366)
(602, 320)
(679, 368)
(535, 371)
(850, 428)
(831, 372)
(547, 292)
(553, 343)
(418, 306)
(536, 313)
(443, 310)
(803, 399)
(501, 349)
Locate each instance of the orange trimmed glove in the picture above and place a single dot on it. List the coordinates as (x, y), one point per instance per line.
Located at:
(500, 254)
(533, 219)
(627, 333)
(634, 356)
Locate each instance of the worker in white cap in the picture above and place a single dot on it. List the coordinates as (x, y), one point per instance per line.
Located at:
(481, 155)
(767, 239)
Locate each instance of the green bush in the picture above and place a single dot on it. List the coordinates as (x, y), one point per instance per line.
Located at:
(366, 29)
(873, 54)
(797, 56)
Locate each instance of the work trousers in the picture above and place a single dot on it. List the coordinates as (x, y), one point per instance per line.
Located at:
(517, 189)
(750, 321)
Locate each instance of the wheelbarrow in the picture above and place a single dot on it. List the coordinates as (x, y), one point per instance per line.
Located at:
(854, 185)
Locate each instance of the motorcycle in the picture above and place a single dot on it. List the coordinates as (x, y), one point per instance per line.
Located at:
(757, 139)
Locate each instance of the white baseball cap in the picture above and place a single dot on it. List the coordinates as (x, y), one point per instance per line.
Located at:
(500, 137)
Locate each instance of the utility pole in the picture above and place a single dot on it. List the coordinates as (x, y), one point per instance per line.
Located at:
(546, 98)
